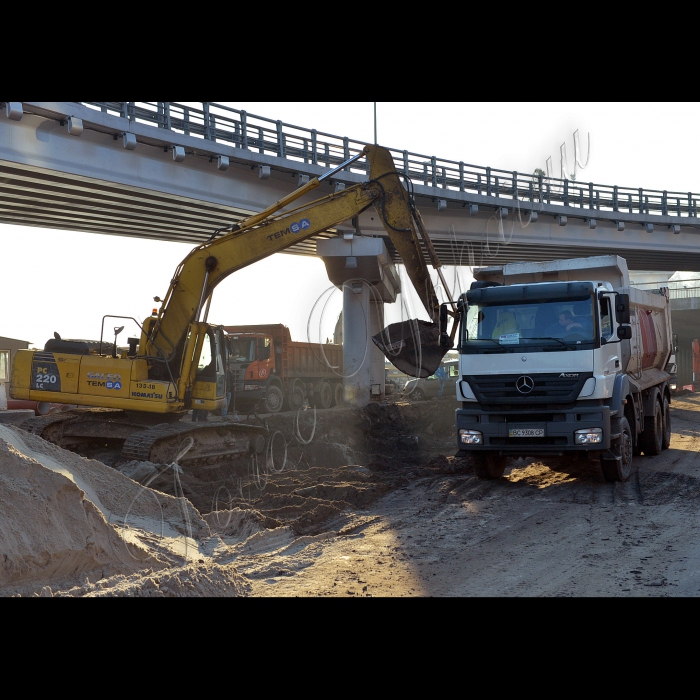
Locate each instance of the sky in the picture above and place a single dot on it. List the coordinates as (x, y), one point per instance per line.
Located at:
(65, 282)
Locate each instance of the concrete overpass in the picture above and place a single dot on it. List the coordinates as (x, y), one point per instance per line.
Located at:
(171, 171)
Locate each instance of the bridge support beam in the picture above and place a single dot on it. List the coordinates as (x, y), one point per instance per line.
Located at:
(361, 267)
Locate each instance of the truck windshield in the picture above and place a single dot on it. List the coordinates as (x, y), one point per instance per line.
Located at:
(554, 324)
(242, 350)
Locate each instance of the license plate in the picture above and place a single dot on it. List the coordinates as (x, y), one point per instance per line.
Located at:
(526, 432)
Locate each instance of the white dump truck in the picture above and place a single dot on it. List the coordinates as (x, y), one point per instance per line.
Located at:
(563, 358)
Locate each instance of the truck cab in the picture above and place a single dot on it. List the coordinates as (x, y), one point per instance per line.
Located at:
(251, 364)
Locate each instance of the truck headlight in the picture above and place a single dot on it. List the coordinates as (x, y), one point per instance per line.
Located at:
(672, 387)
(588, 436)
(471, 437)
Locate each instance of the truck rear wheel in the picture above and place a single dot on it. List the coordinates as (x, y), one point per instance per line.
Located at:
(295, 397)
(338, 394)
(488, 465)
(325, 395)
(651, 439)
(666, 443)
(619, 470)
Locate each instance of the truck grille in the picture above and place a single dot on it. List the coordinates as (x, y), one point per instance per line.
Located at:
(238, 377)
(492, 389)
(528, 441)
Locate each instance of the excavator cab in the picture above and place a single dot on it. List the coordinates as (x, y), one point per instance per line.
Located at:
(210, 377)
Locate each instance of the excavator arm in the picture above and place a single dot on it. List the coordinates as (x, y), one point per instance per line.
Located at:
(271, 232)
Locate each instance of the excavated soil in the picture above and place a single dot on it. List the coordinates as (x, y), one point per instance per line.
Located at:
(351, 503)
(352, 458)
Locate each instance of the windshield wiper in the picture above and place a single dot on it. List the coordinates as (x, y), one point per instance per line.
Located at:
(558, 340)
(490, 340)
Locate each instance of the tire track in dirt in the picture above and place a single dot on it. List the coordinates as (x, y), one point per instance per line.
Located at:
(548, 528)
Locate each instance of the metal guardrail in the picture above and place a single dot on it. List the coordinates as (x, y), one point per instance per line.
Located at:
(684, 292)
(240, 129)
(674, 292)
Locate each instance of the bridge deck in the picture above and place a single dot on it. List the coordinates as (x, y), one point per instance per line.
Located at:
(51, 179)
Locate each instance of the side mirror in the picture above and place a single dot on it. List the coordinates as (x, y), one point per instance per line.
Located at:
(622, 309)
(443, 318)
(624, 332)
(445, 341)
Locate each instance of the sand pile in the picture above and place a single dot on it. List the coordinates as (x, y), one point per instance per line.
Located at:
(68, 521)
(193, 580)
(48, 529)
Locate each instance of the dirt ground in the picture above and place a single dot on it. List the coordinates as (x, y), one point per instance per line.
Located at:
(375, 504)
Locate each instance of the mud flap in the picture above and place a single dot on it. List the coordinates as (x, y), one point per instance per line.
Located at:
(611, 456)
(412, 346)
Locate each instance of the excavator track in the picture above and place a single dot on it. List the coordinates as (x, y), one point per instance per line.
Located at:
(37, 425)
(53, 423)
(213, 443)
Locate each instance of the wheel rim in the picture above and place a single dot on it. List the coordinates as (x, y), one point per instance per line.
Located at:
(626, 454)
(273, 399)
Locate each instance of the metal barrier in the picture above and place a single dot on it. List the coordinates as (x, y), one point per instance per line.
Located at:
(683, 292)
(240, 129)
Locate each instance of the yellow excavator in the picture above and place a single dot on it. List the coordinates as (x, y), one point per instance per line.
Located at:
(179, 364)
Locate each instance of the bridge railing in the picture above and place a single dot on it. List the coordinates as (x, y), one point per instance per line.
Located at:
(240, 129)
(684, 292)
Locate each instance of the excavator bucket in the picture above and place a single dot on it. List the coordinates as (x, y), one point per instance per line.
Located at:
(412, 346)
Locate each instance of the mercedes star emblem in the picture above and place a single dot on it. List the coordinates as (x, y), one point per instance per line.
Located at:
(524, 384)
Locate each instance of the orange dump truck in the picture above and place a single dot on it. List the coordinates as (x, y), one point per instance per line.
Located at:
(268, 368)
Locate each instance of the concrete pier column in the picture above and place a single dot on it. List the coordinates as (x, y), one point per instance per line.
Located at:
(355, 336)
(361, 267)
(363, 362)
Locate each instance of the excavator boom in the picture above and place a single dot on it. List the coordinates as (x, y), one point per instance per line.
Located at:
(209, 264)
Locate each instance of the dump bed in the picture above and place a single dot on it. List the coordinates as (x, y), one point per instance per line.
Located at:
(598, 268)
(652, 339)
(298, 359)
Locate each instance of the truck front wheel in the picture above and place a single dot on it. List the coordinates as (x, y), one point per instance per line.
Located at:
(488, 465)
(614, 470)
(273, 399)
